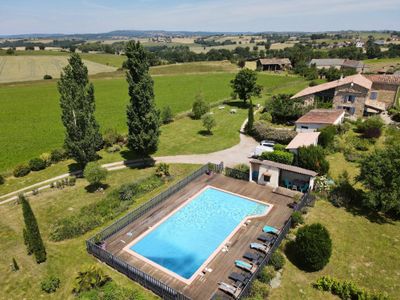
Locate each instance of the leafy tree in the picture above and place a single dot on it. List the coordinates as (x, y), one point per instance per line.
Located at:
(166, 115)
(285, 110)
(313, 158)
(200, 107)
(82, 136)
(380, 173)
(371, 49)
(327, 136)
(95, 173)
(371, 127)
(250, 118)
(209, 122)
(313, 247)
(245, 84)
(142, 114)
(32, 235)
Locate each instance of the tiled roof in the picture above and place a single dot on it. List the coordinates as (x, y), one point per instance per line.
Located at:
(319, 62)
(353, 63)
(376, 104)
(387, 79)
(321, 116)
(356, 79)
(289, 168)
(275, 61)
(303, 139)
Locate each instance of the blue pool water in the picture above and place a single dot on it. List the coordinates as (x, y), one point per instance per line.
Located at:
(184, 241)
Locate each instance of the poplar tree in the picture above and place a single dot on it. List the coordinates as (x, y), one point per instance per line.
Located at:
(32, 236)
(77, 101)
(250, 119)
(143, 118)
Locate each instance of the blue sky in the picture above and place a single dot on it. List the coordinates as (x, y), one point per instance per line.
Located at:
(83, 16)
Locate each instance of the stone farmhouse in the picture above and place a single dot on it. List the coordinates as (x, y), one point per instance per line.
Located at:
(273, 64)
(358, 95)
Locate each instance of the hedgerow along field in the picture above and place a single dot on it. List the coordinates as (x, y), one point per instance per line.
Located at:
(27, 68)
(30, 116)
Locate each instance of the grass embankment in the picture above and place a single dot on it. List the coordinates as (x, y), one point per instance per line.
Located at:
(30, 115)
(65, 258)
(365, 252)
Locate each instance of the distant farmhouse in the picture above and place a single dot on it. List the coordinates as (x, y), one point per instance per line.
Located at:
(357, 95)
(273, 64)
(339, 63)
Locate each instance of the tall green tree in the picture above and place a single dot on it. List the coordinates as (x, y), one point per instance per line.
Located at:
(143, 116)
(245, 84)
(82, 136)
(32, 236)
(250, 118)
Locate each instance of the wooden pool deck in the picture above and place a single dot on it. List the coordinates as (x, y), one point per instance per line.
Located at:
(205, 285)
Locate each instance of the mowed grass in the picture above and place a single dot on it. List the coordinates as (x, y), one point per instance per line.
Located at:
(30, 116)
(27, 68)
(194, 67)
(365, 252)
(68, 257)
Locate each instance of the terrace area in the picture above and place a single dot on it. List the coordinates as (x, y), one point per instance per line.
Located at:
(205, 285)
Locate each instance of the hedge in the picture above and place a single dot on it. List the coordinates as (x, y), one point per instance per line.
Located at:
(279, 156)
(37, 164)
(262, 131)
(21, 170)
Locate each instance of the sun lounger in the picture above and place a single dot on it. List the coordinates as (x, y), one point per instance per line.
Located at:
(230, 289)
(253, 257)
(245, 266)
(240, 279)
(259, 247)
(270, 229)
(268, 239)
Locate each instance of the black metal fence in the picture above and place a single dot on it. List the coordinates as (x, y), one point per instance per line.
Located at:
(235, 173)
(93, 245)
(282, 234)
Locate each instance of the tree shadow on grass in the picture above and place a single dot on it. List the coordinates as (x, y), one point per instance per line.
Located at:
(238, 104)
(92, 188)
(205, 133)
(75, 167)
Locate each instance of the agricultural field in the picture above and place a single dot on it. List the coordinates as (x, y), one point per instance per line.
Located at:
(66, 258)
(28, 68)
(382, 63)
(194, 67)
(30, 114)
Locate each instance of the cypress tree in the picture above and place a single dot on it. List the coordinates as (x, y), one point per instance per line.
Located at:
(250, 120)
(82, 136)
(15, 266)
(142, 114)
(32, 235)
(29, 249)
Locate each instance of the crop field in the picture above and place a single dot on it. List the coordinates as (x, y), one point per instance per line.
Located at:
(27, 68)
(30, 116)
(194, 67)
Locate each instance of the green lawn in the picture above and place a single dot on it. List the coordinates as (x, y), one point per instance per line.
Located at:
(365, 252)
(30, 115)
(65, 258)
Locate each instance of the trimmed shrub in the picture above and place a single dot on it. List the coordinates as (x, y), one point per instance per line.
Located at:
(200, 107)
(95, 173)
(242, 168)
(266, 116)
(313, 247)
(277, 260)
(89, 279)
(279, 156)
(279, 147)
(47, 77)
(162, 170)
(346, 289)
(297, 218)
(50, 284)
(37, 164)
(2, 180)
(259, 290)
(313, 158)
(21, 171)
(58, 155)
(267, 274)
(262, 131)
(166, 115)
(327, 136)
(371, 127)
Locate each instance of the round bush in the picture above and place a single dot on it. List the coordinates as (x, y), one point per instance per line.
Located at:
(21, 170)
(259, 290)
(277, 260)
(57, 155)
(267, 274)
(313, 247)
(37, 164)
(2, 180)
(95, 173)
(50, 284)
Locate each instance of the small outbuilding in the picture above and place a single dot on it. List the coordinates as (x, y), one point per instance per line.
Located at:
(319, 118)
(303, 139)
(273, 64)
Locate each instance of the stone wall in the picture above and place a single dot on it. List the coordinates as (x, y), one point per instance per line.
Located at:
(386, 93)
(360, 93)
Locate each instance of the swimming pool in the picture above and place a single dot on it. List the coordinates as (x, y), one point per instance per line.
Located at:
(185, 240)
